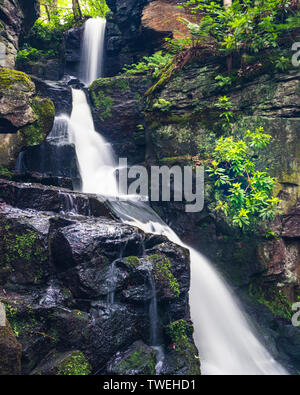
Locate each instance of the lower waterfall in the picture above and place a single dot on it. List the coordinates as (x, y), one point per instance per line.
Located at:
(225, 340)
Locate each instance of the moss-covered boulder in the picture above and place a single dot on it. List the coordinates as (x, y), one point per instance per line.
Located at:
(69, 363)
(139, 359)
(24, 118)
(10, 352)
(36, 133)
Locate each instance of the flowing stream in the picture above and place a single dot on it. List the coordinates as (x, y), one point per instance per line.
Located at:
(226, 342)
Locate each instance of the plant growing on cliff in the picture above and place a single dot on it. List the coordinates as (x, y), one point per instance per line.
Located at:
(150, 64)
(240, 28)
(243, 193)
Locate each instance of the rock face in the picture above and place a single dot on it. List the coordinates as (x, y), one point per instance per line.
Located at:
(90, 279)
(118, 113)
(17, 17)
(127, 40)
(10, 352)
(25, 119)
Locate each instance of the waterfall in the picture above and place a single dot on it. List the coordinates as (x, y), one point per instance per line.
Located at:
(95, 156)
(92, 50)
(226, 342)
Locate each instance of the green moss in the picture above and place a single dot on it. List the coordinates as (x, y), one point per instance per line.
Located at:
(75, 365)
(103, 104)
(133, 261)
(180, 332)
(24, 245)
(272, 298)
(12, 78)
(163, 275)
(45, 111)
(138, 361)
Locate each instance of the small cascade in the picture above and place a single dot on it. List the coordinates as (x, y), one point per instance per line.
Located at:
(153, 315)
(94, 154)
(92, 50)
(112, 280)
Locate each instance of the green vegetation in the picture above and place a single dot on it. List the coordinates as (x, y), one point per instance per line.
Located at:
(24, 245)
(103, 103)
(133, 261)
(28, 54)
(180, 331)
(75, 365)
(243, 28)
(44, 109)
(12, 79)
(5, 173)
(139, 361)
(162, 105)
(272, 298)
(243, 193)
(163, 275)
(151, 64)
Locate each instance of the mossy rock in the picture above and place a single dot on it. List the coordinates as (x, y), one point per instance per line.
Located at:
(17, 80)
(139, 359)
(37, 132)
(10, 352)
(70, 363)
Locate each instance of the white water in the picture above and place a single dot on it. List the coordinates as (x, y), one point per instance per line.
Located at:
(92, 50)
(94, 154)
(226, 343)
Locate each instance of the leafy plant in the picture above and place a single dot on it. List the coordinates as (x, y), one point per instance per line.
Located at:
(162, 105)
(225, 105)
(151, 64)
(244, 193)
(282, 63)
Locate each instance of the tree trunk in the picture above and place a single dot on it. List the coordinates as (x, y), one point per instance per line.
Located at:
(76, 10)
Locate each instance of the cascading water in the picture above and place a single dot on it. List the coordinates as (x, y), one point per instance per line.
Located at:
(92, 50)
(226, 342)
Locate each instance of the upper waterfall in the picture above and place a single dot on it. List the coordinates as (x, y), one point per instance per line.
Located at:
(91, 66)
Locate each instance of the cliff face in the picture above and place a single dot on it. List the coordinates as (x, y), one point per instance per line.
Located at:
(16, 18)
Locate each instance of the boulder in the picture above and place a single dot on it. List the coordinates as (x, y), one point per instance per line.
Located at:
(139, 359)
(10, 352)
(25, 119)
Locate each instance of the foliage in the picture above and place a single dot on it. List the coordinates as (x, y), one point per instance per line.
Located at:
(282, 63)
(162, 105)
(244, 193)
(32, 54)
(247, 26)
(6, 173)
(223, 81)
(151, 64)
(225, 105)
(75, 365)
(103, 103)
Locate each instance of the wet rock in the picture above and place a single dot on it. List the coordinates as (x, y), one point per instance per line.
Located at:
(43, 198)
(58, 92)
(10, 352)
(69, 363)
(37, 178)
(73, 39)
(118, 109)
(139, 359)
